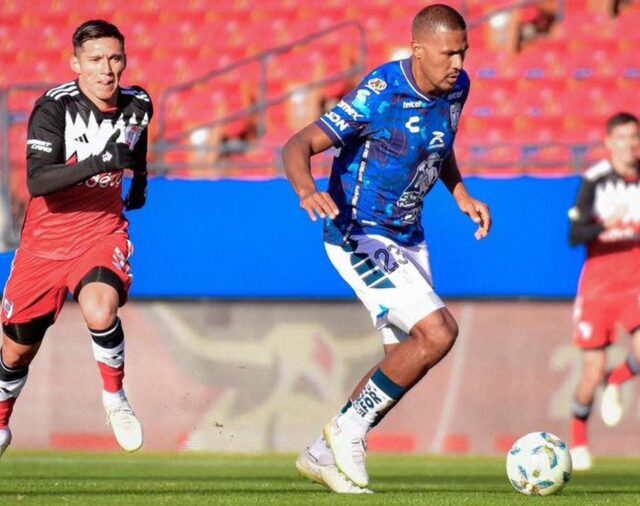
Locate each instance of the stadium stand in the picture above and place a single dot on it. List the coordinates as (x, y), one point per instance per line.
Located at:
(535, 107)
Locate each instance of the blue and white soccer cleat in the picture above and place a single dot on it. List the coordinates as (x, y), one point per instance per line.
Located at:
(349, 452)
(611, 406)
(123, 421)
(328, 476)
(5, 439)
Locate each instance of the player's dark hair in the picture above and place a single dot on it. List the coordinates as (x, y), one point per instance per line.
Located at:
(435, 16)
(95, 29)
(619, 119)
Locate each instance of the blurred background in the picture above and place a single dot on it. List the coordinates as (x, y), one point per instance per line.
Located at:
(241, 336)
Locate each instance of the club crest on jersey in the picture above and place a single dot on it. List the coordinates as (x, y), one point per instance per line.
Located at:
(8, 308)
(376, 85)
(132, 134)
(454, 115)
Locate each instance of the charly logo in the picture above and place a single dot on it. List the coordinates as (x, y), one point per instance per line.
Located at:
(454, 113)
(412, 124)
(8, 308)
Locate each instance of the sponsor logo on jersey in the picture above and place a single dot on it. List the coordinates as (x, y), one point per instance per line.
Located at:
(337, 120)
(349, 110)
(361, 98)
(414, 104)
(105, 180)
(376, 85)
(412, 124)
(38, 145)
(8, 308)
(454, 113)
(437, 141)
(455, 95)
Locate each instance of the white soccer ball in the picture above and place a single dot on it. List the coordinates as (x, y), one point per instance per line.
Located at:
(539, 464)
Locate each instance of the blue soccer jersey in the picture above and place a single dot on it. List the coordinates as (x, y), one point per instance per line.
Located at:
(392, 139)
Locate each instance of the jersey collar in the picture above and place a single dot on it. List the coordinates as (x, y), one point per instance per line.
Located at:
(405, 66)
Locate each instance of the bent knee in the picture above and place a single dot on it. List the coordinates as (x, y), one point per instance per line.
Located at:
(436, 332)
(99, 314)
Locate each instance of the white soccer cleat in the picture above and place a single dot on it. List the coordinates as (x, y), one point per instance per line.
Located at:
(328, 476)
(349, 452)
(611, 406)
(124, 423)
(581, 458)
(5, 439)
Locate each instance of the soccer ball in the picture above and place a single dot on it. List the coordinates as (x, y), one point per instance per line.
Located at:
(539, 464)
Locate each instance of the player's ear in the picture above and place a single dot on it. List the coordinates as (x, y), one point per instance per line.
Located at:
(417, 50)
(74, 63)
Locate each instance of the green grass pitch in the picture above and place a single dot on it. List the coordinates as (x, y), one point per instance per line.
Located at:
(147, 478)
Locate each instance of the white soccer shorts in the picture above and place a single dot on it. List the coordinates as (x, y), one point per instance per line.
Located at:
(393, 282)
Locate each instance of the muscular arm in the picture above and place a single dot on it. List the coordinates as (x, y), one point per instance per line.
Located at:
(296, 157)
(476, 210)
(450, 176)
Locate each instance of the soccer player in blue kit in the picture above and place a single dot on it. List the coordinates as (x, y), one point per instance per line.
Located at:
(395, 135)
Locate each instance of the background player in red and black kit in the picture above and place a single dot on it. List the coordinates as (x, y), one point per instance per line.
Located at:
(606, 217)
(81, 136)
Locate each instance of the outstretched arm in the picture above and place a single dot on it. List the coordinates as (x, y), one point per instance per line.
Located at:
(296, 156)
(476, 210)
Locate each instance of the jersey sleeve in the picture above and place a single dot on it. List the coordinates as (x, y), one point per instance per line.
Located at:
(45, 133)
(352, 117)
(583, 227)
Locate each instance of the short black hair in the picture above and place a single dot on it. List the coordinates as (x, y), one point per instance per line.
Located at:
(437, 15)
(95, 29)
(619, 119)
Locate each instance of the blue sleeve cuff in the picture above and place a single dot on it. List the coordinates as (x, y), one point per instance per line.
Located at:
(331, 133)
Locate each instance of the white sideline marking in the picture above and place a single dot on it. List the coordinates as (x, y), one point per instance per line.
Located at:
(459, 359)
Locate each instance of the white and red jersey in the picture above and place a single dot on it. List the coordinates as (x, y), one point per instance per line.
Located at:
(613, 255)
(66, 127)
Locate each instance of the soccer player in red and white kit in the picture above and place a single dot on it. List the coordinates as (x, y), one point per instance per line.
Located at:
(606, 217)
(81, 136)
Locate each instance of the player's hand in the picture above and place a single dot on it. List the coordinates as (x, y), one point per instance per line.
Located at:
(479, 212)
(137, 196)
(117, 155)
(320, 204)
